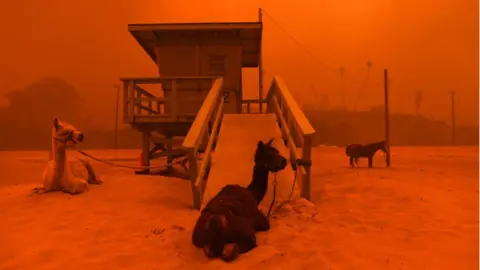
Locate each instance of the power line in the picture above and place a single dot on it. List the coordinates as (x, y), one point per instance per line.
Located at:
(306, 50)
(299, 44)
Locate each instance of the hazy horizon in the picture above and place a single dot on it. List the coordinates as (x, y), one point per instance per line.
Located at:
(426, 45)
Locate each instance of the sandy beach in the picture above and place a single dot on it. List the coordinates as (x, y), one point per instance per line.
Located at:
(422, 213)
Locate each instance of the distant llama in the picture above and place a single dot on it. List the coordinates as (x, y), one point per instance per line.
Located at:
(227, 225)
(59, 174)
(356, 151)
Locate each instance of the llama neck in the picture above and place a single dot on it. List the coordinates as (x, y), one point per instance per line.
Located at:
(60, 154)
(259, 184)
(60, 159)
(377, 148)
(52, 145)
(260, 175)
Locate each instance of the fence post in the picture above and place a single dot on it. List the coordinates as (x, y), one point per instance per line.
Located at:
(193, 173)
(307, 156)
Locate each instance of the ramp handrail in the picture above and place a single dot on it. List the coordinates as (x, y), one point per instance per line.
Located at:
(203, 131)
(296, 130)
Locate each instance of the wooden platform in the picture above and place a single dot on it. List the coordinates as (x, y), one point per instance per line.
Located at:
(233, 160)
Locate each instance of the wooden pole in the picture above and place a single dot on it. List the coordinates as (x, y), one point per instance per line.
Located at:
(387, 117)
(344, 102)
(115, 141)
(452, 95)
(260, 67)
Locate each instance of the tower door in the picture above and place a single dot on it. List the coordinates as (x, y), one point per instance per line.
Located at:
(224, 61)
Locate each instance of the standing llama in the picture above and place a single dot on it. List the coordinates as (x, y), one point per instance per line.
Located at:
(356, 151)
(61, 175)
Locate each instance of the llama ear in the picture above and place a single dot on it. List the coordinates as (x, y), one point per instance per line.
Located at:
(55, 123)
(270, 141)
(260, 144)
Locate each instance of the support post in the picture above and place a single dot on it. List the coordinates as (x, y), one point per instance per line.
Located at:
(260, 67)
(387, 117)
(145, 151)
(115, 141)
(169, 153)
(344, 102)
(131, 95)
(174, 101)
(452, 95)
(239, 93)
(306, 155)
(193, 172)
(137, 102)
(126, 100)
(131, 98)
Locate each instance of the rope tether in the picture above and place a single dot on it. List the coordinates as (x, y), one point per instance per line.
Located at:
(301, 162)
(181, 161)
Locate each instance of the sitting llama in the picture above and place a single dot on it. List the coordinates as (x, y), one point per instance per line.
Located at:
(61, 175)
(227, 224)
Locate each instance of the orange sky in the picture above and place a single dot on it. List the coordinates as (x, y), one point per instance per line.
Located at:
(429, 45)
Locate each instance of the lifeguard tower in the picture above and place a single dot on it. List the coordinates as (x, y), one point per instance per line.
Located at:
(200, 76)
(190, 56)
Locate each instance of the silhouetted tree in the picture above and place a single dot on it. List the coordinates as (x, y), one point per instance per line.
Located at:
(44, 99)
(30, 111)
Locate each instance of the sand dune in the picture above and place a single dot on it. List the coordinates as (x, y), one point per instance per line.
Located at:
(420, 214)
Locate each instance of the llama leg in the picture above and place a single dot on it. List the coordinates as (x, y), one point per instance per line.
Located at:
(242, 233)
(370, 162)
(356, 161)
(92, 176)
(75, 185)
(261, 221)
(199, 231)
(48, 178)
(351, 162)
(230, 252)
(246, 240)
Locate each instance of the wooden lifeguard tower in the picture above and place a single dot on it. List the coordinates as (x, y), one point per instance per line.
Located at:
(200, 106)
(192, 59)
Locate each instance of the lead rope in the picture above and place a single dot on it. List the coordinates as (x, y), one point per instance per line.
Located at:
(181, 161)
(299, 161)
(274, 194)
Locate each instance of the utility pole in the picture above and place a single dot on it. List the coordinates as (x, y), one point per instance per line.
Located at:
(452, 95)
(344, 103)
(260, 68)
(387, 117)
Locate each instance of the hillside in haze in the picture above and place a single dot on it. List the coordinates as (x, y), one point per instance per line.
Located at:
(30, 112)
(427, 45)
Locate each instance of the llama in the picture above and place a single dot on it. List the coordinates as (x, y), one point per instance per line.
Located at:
(227, 225)
(355, 151)
(59, 174)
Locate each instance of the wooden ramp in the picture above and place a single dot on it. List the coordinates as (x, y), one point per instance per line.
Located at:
(232, 161)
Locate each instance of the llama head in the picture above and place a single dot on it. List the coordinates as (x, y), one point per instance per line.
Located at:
(383, 146)
(269, 156)
(66, 133)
